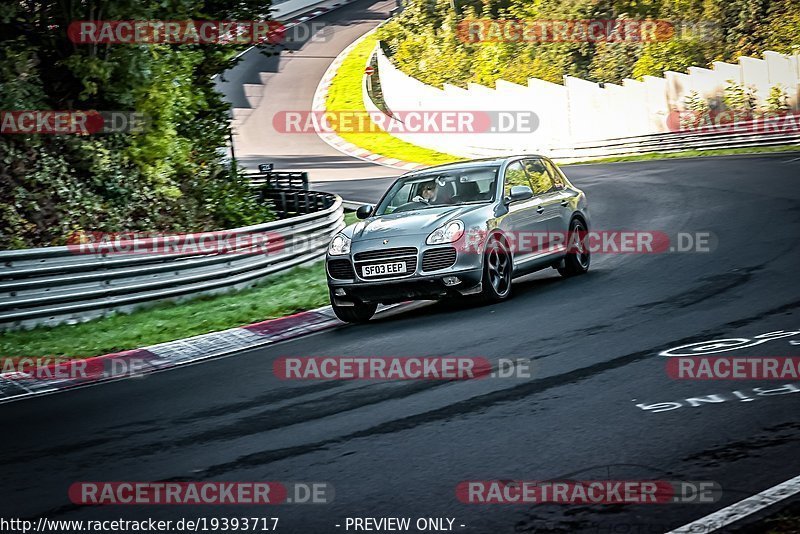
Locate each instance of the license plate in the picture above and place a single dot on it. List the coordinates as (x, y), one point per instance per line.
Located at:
(382, 269)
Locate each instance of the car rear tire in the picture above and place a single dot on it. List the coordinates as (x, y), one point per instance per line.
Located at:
(578, 257)
(497, 268)
(359, 312)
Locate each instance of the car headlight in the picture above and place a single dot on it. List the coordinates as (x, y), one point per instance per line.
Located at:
(339, 245)
(448, 233)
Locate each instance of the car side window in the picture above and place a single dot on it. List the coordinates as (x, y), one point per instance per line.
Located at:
(558, 180)
(541, 182)
(515, 175)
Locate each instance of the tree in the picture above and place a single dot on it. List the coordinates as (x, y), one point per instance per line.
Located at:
(170, 177)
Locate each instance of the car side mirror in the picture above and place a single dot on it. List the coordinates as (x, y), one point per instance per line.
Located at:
(519, 192)
(364, 211)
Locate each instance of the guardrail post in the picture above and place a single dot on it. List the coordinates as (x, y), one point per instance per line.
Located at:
(284, 205)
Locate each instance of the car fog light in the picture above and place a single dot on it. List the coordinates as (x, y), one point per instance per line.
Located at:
(451, 280)
(339, 292)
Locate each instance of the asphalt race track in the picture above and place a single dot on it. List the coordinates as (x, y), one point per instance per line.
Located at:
(400, 448)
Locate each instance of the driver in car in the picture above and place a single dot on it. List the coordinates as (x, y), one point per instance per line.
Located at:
(426, 193)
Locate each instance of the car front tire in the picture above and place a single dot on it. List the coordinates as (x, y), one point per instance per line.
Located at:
(497, 270)
(578, 257)
(359, 312)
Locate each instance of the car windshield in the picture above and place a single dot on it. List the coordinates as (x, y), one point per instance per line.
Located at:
(444, 188)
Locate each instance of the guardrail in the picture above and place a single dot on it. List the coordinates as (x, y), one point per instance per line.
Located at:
(649, 144)
(280, 179)
(70, 284)
(285, 190)
(672, 142)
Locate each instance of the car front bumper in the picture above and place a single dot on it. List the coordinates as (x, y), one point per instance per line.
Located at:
(417, 287)
(423, 281)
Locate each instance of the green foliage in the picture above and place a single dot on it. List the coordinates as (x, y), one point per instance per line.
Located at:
(739, 99)
(778, 100)
(170, 177)
(422, 42)
(674, 55)
(699, 108)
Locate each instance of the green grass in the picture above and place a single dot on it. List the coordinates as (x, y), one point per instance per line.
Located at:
(350, 217)
(690, 154)
(344, 94)
(302, 288)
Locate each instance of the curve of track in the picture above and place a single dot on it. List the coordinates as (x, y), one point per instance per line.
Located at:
(400, 448)
(260, 87)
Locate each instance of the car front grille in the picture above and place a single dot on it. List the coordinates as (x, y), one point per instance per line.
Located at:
(408, 255)
(341, 269)
(438, 258)
(386, 254)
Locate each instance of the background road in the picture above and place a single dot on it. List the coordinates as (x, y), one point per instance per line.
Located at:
(400, 448)
(287, 82)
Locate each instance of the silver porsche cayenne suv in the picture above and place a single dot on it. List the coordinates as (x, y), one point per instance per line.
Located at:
(465, 228)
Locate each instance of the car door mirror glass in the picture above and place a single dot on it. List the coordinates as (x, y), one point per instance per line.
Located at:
(519, 192)
(364, 211)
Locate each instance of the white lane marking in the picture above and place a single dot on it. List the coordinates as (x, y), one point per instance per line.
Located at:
(742, 509)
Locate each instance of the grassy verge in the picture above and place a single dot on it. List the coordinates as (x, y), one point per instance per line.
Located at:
(690, 154)
(344, 94)
(300, 289)
(350, 217)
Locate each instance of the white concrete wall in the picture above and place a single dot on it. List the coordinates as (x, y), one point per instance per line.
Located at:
(579, 113)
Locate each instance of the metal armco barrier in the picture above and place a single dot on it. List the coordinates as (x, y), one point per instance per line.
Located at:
(66, 284)
(671, 142)
(652, 144)
(280, 179)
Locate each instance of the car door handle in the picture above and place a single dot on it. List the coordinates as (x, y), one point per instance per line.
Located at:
(565, 203)
(540, 210)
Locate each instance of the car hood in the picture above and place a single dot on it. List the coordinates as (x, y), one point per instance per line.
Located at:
(422, 221)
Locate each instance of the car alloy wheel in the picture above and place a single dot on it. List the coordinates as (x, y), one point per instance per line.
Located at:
(497, 271)
(578, 258)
